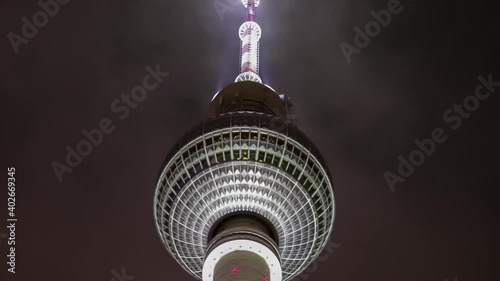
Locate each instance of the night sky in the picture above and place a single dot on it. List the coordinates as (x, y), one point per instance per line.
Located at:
(440, 223)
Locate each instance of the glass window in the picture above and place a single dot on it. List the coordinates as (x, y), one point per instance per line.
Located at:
(245, 135)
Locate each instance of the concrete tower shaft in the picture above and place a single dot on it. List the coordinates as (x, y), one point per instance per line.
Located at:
(243, 247)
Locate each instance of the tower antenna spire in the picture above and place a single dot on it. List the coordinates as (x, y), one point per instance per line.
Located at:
(250, 33)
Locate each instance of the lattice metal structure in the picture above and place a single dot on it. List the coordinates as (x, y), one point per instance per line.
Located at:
(245, 191)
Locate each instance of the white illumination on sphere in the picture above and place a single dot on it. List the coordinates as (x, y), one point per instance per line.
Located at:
(246, 165)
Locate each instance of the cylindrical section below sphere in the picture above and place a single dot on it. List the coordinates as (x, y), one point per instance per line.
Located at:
(244, 226)
(242, 259)
(243, 266)
(245, 178)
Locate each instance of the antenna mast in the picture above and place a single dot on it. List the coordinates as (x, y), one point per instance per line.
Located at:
(249, 33)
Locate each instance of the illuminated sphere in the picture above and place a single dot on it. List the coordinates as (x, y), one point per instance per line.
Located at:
(246, 158)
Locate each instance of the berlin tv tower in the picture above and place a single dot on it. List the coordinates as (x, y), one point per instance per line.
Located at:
(245, 195)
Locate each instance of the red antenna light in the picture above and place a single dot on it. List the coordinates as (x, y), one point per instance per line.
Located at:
(235, 269)
(263, 278)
